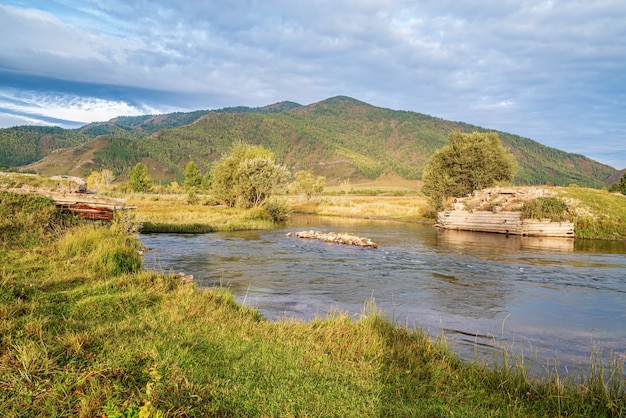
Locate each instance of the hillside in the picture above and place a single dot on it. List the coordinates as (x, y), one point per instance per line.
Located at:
(340, 138)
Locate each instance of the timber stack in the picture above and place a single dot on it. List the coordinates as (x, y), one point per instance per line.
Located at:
(500, 218)
(75, 198)
(509, 223)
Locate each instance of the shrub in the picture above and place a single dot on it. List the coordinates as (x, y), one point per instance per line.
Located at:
(278, 210)
(546, 208)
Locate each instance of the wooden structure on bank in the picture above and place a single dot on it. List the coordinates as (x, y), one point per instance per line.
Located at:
(498, 210)
(510, 223)
(85, 205)
(89, 207)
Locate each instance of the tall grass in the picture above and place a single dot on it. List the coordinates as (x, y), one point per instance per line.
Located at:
(28, 220)
(597, 213)
(172, 213)
(84, 337)
(402, 208)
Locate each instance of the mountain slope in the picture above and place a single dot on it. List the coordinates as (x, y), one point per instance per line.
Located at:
(24, 144)
(339, 138)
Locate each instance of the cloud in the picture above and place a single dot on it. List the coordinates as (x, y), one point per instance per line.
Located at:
(548, 70)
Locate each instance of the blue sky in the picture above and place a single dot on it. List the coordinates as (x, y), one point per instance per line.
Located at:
(553, 71)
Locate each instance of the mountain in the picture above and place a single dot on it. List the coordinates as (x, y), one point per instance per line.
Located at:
(615, 177)
(338, 138)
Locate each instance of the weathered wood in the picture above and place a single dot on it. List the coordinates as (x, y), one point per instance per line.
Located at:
(84, 205)
(503, 223)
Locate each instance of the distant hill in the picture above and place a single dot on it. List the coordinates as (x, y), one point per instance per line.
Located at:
(24, 144)
(615, 177)
(340, 138)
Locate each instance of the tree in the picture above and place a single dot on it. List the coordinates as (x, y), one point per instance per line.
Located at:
(619, 187)
(108, 177)
(470, 162)
(140, 179)
(193, 178)
(95, 181)
(247, 176)
(307, 183)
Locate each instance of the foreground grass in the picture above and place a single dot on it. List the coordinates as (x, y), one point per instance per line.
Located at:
(84, 332)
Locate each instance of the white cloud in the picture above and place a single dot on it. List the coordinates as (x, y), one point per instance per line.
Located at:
(542, 69)
(45, 108)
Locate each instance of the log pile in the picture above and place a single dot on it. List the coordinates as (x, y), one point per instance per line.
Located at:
(86, 206)
(337, 238)
(503, 223)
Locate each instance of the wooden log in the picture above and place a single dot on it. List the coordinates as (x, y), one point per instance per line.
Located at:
(503, 223)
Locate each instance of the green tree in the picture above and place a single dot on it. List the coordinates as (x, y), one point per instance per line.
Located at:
(95, 181)
(140, 180)
(108, 177)
(247, 176)
(469, 162)
(193, 178)
(307, 183)
(619, 187)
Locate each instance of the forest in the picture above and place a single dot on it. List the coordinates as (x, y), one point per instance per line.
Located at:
(337, 138)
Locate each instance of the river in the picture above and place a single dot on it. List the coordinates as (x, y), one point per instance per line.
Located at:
(552, 299)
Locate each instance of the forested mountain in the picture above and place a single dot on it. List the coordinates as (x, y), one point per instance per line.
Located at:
(339, 138)
(24, 144)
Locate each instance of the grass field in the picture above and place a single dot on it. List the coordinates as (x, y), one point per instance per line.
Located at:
(85, 332)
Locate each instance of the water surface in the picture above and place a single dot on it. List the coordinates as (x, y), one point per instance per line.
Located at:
(556, 297)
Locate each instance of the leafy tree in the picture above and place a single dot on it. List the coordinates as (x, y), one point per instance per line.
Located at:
(174, 187)
(307, 183)
(619, 187)
(108, 177)
(140, 180)
(95, 180)
(193, 178)
(257, 179)
(98, 180)
(469, 162)
(247, 176)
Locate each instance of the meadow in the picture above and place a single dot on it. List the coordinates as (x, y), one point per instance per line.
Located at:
(86, 332)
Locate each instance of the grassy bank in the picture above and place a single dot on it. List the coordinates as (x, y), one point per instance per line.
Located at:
(402, 208)
(84, 332)
(597, 213)
(173, 213)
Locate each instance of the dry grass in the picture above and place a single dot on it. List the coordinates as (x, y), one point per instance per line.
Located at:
(405, 208)
(174, 210)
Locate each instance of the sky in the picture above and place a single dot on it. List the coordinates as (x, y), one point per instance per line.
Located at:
(553, 71)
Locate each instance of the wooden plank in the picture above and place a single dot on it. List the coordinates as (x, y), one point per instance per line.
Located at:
(503, 223)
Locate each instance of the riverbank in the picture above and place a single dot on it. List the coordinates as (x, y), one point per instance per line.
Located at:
(596, 214)
(86, 333)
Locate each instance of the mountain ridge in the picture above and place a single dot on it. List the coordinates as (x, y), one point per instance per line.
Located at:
(340, 137)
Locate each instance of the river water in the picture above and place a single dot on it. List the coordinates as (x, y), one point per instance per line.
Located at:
(549, 299)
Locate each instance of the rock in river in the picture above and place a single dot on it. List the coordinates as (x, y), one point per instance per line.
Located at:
(337, 238)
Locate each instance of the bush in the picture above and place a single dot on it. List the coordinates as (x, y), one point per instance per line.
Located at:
(546, 208)
(278, 210)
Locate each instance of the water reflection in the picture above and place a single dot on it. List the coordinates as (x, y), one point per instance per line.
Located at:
(497, 244)
(556, 295)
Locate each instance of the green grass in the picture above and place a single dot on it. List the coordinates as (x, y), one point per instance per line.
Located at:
(597, 213)
(85, 332)
(172, 214)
